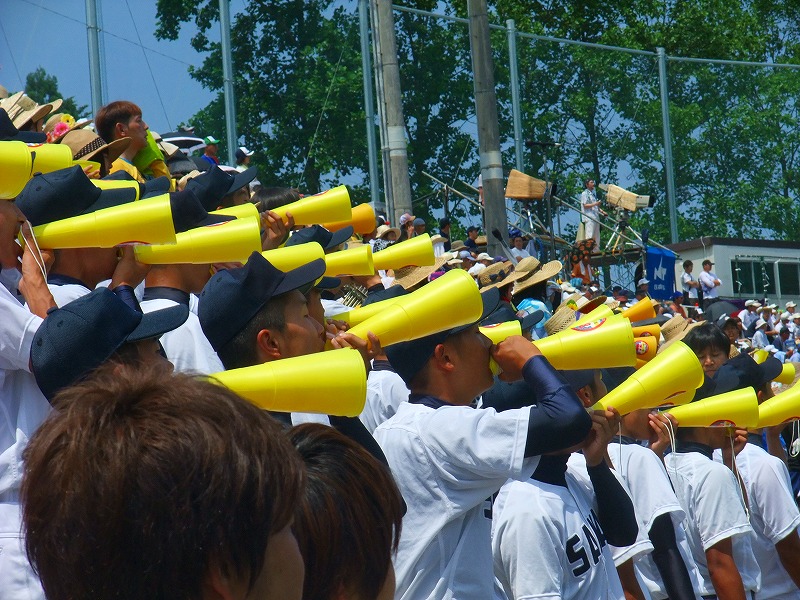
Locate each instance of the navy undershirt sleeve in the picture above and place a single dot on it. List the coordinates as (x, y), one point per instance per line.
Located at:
(668, 559)
(558, 420)
(614, 507)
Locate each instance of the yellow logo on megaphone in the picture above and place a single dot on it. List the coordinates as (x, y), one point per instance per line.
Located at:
(333, 205)
(232, 241)
(596, 344)
(450, 301)
(418, 252)
(332, 383)
(738, 408)
(144, 222)
(362, 220)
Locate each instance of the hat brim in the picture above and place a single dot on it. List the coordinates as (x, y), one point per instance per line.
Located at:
(390, 230)
(529, 321)
(340, 237)
(159, 322)
(153, 187)
(243, 178)
(328, 283)
(540, 275)
(302, 277)
(29, 137)
(111, 198)
(114, 150)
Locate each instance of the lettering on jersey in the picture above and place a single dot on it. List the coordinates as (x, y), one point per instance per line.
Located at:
(593, 539)
(489, 503)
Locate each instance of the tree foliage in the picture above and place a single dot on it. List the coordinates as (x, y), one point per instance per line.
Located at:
(43, 88)
(735, 129)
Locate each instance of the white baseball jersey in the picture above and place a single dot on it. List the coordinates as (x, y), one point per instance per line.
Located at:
(385, 392)
(64, 294)
(642, 545)
(186, 347)
(773, 516)
(710, 496)
(448, 462)
(22, 409)
(547, 543)
(653, 496)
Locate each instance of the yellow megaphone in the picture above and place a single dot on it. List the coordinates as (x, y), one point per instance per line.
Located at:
(361, 314)
(668, 379)
(354, 261)
(653, 330)
(738, 408)
(290, 257)
(646, 348)
(640, 311)
(760, 355)
(362, 220)
(240, 211)
(450, 301)
(782, 408)
(232, 241)
(17, 168)
(50, 157)
(333, 205)
(117, 184)
(417, 252)
(603, 343)
(601, 312)
(497, 333)
(500, 331)
(144, 222)
(787, 374)
(332, 383)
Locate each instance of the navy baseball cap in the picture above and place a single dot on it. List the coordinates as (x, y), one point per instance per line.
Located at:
(232, 297)
(215, 183)
(578, 379)
(9, 133)
(504, 314)
(148, 189)
(408, 358)
(66, 193)
(188, 212)
(742, 371)
(80, 336)
(317, 233)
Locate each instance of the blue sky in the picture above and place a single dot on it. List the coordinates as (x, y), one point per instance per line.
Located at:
(52, 34)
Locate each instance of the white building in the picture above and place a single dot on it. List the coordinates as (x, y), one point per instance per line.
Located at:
(765, 269)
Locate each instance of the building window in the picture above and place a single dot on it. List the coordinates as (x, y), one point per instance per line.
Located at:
(789, 278)
(757, 278)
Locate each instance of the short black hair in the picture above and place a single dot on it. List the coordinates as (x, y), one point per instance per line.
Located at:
(241, 350)
(687, 263)
(706, 336)
(472, 228)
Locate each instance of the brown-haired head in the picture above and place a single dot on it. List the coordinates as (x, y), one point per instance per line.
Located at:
(348, 521)
(140, 485)
(106, 119)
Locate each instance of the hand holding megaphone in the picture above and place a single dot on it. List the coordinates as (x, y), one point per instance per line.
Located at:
(511, 355)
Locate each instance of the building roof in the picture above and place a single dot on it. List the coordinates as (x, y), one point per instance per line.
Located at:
(705, 242)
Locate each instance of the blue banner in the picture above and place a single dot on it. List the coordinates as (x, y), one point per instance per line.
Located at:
(661, 272)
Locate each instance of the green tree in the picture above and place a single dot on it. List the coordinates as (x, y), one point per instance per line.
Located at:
(43, 88)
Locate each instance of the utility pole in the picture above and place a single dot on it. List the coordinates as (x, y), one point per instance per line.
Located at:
(668, 164)
(369, 103)
(227, 80)
(393, 110)
(488, 127)
(92, 33)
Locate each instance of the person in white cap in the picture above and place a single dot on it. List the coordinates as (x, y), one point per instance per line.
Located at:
(709, 283)
(790, 306)
(749, 315)
(484, 258)
(243, 158)
(760, 337)
(643, 284)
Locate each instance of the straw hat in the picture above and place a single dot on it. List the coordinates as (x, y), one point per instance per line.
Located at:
(384, 229)
(523, 269)
(86, 145)
(408, 277)
(673, 327)
(493, 276)
(561, 320)
(59, 124)
(543, 273)
(585, 305)
(457, 245)
(676, 336)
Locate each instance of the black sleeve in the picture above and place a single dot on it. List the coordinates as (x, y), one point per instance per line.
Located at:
(353, 428)
(615, 509)
(558, 420)
(668, 559)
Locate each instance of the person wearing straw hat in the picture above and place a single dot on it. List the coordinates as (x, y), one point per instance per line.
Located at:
(529, 292)
(571, 514)
(87, 145)
(448, 458)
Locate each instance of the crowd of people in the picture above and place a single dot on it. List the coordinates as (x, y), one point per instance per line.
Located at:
(128, 471)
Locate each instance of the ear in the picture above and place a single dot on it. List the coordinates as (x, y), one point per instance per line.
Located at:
(585, 396)
(269, 346)
(443, 358)
(120, 129)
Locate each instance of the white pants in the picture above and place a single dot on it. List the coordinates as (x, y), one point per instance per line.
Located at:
(592, 232)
